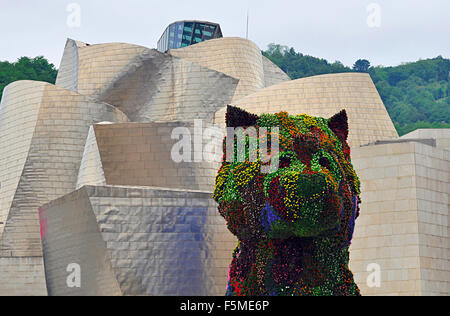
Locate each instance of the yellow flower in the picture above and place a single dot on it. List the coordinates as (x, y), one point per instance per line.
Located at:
(309, 120)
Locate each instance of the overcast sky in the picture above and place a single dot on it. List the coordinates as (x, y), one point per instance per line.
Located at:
(386, 32)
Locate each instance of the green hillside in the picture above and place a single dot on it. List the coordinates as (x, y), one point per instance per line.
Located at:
(416, 95)
(26, 69)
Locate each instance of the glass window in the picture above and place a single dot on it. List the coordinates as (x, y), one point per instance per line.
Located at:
(172, 29)
(179, 33)
(182, 34)
(177, 42)
(188, 27)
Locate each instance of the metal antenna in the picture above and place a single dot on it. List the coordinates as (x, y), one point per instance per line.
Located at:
(247, 23)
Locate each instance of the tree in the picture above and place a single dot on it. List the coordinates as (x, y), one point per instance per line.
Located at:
(361, 65)
(297, 65)
(26, 68)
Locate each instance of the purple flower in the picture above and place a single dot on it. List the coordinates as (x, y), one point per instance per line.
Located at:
(268, 216)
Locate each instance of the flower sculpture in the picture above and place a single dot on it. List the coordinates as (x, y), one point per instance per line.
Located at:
(295, 223)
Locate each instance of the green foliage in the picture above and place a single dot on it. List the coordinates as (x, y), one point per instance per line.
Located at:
(361, 65)
(408, 128)
(297, 65)
(26, 68)
(416, 95)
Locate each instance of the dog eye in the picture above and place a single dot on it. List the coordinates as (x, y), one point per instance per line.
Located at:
(285, 162)
(324, 162)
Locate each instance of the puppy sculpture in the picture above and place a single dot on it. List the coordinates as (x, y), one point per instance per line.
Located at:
(294, 222)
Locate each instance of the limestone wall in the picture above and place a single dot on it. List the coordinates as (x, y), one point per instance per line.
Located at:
(441, 135)
(403, 227)
(433, 189)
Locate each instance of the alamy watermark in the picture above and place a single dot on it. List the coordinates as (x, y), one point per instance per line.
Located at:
(374, 277)
(73, 280)
(190, 146)
(74, 17)
(374, 17)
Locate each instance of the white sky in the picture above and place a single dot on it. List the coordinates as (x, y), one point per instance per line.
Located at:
(332, 29)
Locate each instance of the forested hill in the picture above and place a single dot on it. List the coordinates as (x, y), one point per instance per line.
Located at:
(416, 95)
(26, 69)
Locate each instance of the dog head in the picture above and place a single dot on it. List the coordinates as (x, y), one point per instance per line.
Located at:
(313, 190)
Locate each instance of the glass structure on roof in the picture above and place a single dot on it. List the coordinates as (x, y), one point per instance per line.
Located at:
(185, 33)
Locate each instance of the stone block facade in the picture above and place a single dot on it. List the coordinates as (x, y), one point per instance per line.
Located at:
(403, 227)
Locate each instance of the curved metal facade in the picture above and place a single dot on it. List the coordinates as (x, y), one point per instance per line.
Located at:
(324, 96)
(136, 241)
(236, 57)
(130, 235)
(42, 131)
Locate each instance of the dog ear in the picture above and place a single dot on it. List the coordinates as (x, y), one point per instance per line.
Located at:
(339, 125)
(237, 117)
